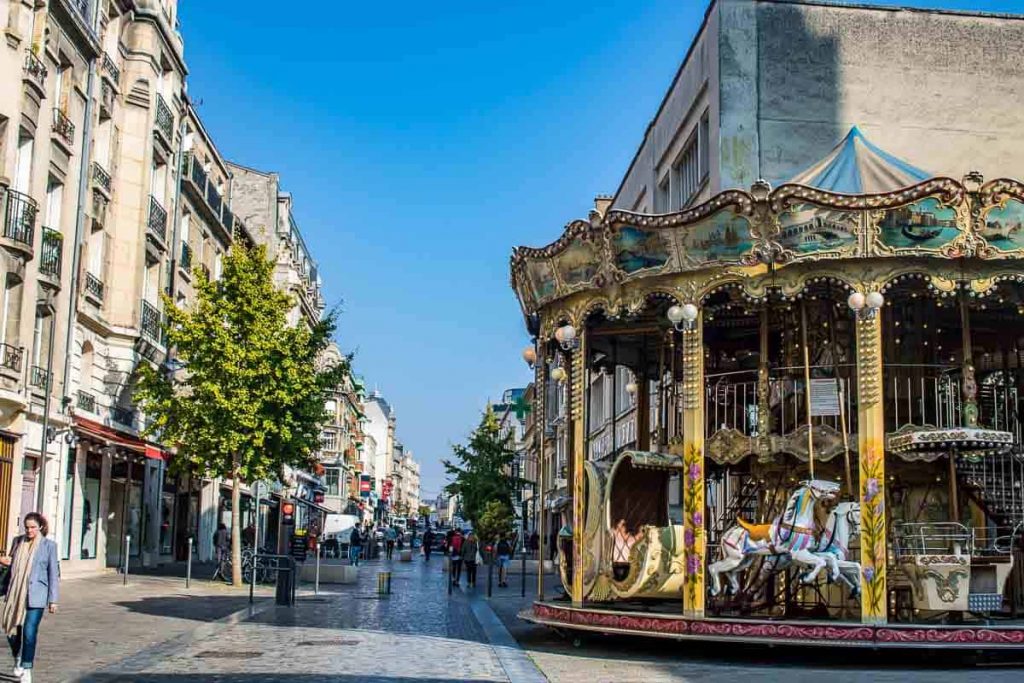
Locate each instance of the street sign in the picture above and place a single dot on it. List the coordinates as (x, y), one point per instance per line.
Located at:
(824, 397)
(365, 485)
(299, 545)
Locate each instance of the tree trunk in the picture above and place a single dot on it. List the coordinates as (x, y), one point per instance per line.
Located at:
(236, 527)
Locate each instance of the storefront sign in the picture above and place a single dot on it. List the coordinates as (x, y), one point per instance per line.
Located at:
(365, 485)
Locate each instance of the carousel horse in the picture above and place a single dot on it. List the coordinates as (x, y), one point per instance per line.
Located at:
(792, 533)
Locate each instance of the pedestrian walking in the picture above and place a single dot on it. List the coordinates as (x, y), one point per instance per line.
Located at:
(553, 545)
(455, 553)
(534, 543)
(355, 546)
(390, 536)
(222, 552)
(504, 560)
(29, 587)
(470, 556)
(428, 541)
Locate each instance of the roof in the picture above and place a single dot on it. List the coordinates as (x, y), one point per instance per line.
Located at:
(857, 166)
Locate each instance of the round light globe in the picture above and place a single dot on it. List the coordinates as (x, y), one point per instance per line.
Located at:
(631, 388)
(675, 314)
(875, 300)
(565, 334)
(690, 312)
(530, 355)
(558, 374)
(856, 301)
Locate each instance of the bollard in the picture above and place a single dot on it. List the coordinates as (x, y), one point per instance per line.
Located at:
(384, 583)
(316, 583)
(490, 570)
(448, 560)
(127, 554)
(188, 564)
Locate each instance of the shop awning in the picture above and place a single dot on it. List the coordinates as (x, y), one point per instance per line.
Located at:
(114, 437)
(857, 166)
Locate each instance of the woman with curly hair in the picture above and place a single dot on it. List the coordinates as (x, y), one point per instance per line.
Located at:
(29, 587)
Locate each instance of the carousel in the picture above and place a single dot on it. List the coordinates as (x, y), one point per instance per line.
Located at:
(825, 391)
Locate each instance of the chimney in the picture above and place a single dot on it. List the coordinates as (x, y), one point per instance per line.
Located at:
(602, 203)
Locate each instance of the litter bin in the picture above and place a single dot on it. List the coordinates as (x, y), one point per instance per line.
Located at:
(285, 593)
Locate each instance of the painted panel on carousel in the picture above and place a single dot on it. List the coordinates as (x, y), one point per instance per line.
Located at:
(926, 224)
(724, 236)
(578, 264)
(807, 229)
(1003, 227)
(542, 279)
(635, 249)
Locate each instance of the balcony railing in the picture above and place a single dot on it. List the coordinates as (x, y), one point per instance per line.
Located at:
(34, 67)
(10, 357)
(157, 222)
(52, 253)
(122, 416)
(151, 324)
(39, 378)
(94, 286)
(20, 212)
(186, 256)
(101, 177)
(111, 68)
(63, 127)
(164, 119)
(86, 401)
(213, 198)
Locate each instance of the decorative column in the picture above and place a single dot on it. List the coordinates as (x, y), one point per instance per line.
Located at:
(577, 406)
(764, 448)
(694, 537)
(871, 449)
(540, 423)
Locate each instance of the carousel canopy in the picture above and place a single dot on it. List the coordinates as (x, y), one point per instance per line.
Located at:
(856, 166)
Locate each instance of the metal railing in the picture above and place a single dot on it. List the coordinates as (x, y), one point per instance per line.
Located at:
(52, 253)
(151, 322)
(86, 401)
(101, 177)
(20, 212)
(213, 198)
(10, 357)
(164, 118)
(38, 377)
(82, 7)
(94, 286)
(122, 416)
(111, 68)
(157, 221)
(34, 67)
(186, 256)
(63, 126)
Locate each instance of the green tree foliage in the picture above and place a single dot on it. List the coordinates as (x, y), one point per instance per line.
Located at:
(250, 398)
(481, 471)
(496, 521)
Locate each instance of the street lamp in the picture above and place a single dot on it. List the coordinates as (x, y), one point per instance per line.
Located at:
(566, 337)
(865, 307)
(683, 317)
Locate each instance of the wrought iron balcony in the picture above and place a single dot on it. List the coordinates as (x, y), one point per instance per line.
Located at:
(94, 287)
(63, 127)
(157, 222)
(101, 177)
(214, 199)
(10, 357)
(123, 416)
(186, 256)
(110, 68)
(164, 119)
(86, 401)
(39, 378)
(20, 212)
(151, 324)
(228, 219)
(34, 68)
(52, 253)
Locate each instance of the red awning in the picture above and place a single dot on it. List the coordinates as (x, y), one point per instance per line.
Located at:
(115, 437)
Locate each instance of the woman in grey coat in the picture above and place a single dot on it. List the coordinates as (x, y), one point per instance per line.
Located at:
(29, 587)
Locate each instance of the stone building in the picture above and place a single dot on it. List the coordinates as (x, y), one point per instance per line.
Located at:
(768, 87)
(342, 442)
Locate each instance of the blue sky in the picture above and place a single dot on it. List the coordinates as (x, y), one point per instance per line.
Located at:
(421, 142)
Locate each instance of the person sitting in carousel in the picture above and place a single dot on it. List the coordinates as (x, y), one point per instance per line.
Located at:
(623, 544)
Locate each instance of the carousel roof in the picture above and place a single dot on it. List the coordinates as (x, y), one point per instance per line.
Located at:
(857, 166)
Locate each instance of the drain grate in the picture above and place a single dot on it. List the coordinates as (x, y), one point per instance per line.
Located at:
(227, 654)
(329, 641)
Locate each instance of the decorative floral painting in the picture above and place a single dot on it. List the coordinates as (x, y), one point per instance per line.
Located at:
(872, 544)
(1003, 226)
(723, 236)
(927, 224)
(808, 229)
(542, 277)
(578, 264)
(693, 534)
(634, 249)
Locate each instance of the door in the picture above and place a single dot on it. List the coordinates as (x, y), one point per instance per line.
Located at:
(28, 490)
(115, 524)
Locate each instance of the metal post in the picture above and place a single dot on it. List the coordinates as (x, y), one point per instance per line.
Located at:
(188, 564)
(316, 583)
(490, 570)
(522, 575)
(127, 554)
(255, 541)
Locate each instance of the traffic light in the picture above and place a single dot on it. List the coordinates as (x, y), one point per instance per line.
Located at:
(288, 513)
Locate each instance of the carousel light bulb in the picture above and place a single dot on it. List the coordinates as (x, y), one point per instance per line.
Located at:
(530, 355)
(875, 300)
(675, 314)
(690, 312)
(558, 374)
(631, 388)
(565, 334)
(856, 301)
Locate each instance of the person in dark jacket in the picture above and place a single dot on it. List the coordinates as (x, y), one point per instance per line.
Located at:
(504, 552)
(428, 541)
(29, 588)
(355, 546)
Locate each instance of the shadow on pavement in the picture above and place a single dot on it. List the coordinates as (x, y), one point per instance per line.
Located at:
(263, 678)
(195, 607)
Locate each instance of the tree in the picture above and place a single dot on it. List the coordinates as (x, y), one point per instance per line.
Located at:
(481, 474)
(250, 398)
(495, 521)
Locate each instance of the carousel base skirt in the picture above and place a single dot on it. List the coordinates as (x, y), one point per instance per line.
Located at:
(560, 616)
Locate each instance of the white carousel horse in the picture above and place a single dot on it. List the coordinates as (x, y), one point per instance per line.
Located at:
(792, 533)
(833, 546)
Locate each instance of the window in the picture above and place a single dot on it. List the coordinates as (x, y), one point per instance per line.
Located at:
(686, 173)
(661, 196)
(332, 479)
(705, 145)
(159, 182)
(23, 171)
(54, 204)
(12, 311)
(41, 337)
(218, 265)
(329, 441)
(186, 224)
(88, 361)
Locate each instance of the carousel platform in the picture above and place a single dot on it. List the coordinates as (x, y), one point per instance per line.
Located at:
(976, 637)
